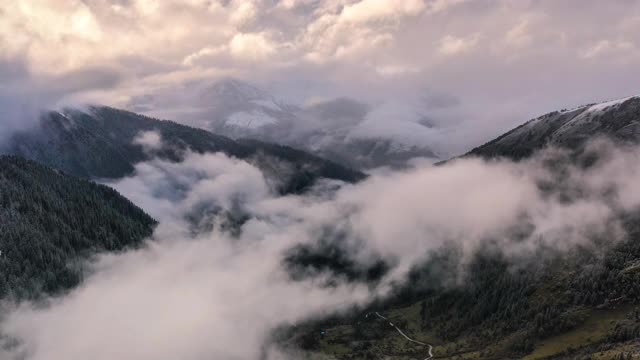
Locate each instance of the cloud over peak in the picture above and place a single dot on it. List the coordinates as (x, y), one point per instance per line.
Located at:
(494, 55)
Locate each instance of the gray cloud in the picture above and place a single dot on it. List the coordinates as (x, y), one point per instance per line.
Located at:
(24, 95)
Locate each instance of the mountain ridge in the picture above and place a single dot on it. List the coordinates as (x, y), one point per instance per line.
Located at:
(51, 223)
(340, 129)
(101, 143)
(583, 304)
(617, 119)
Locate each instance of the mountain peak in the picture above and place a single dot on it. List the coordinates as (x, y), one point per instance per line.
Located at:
(234, 89)
(617, 119)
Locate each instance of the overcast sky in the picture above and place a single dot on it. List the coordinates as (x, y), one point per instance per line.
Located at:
(492, 63)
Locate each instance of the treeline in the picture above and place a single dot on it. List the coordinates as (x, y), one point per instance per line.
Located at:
(494, 297)
(99, 143)
(50, 222)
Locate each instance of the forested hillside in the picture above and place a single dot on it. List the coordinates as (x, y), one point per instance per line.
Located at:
(50, 222)
(581, 306)
(571, 307)
(100, 142)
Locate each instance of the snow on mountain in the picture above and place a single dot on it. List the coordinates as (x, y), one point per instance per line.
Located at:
(341, 129)
(230, 89)
(250, 120)
(608, 104)
(270, 104)
(618, 119)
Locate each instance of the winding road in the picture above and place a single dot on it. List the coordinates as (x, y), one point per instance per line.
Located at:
(406, 337)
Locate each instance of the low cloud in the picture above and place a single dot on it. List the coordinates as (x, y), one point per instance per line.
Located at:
(25, 95)
(216, 293)
(149, 140)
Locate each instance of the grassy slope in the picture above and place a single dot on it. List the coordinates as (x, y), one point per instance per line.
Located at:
(591, 335)
(597, 325)
(594, 330)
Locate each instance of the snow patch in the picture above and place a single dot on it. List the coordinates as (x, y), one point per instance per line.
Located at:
(251, 120)
(270, 104)
(149, 140)
(605, 105)
(590, 113)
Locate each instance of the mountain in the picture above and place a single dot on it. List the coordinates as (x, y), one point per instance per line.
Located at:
(341, 129)
(238, 109)
(583, 304)
(103, 142)
(50, 222)
(617, 119)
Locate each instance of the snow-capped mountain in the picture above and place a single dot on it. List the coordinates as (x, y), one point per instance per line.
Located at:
(236, 108)
(342, 129)
(618, 119)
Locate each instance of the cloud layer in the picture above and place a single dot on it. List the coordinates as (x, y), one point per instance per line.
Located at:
(216, 293)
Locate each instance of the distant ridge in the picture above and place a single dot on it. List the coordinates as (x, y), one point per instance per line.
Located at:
(100, 143)
(617, 119)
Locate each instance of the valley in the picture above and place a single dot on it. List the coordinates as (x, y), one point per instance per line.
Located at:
(319, 180)
(551, 310)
